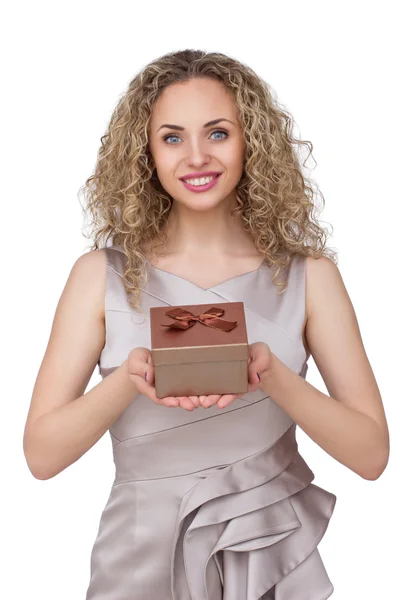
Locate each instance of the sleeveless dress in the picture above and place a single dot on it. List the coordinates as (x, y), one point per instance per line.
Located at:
(209, 504)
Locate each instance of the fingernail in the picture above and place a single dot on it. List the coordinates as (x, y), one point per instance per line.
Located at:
(145, 376)
(259, 378)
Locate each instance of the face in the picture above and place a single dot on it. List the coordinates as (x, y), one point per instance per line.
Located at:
(184, 144)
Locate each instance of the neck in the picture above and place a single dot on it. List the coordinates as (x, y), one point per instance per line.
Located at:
(214, 231)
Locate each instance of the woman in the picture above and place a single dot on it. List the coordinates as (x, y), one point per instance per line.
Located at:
(214, 503)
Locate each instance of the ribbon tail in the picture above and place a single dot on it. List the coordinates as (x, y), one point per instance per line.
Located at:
(217, 323)
(179, 324)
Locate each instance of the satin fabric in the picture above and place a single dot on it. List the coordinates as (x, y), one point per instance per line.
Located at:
(213, 504)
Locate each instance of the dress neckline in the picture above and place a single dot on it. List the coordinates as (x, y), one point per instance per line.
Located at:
(206, 289)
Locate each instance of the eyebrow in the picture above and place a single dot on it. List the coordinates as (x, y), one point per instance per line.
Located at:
(214, 122)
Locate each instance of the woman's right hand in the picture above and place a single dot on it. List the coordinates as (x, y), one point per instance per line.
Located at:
(141, 372)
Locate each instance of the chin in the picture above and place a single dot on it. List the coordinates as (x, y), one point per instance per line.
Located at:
(203, 202)
(202, 205)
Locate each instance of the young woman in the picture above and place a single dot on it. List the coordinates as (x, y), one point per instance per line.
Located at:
(200, 189)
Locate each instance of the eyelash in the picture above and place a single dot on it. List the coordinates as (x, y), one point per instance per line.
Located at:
(176, 135)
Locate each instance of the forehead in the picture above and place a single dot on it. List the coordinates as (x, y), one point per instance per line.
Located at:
(195, 101)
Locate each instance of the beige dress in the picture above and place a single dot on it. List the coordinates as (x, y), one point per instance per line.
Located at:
(212, 504)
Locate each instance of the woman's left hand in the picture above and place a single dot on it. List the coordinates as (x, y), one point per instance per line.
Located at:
(259, 363)
(260, 359)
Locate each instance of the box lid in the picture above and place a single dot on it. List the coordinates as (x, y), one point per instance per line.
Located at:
(198, 334)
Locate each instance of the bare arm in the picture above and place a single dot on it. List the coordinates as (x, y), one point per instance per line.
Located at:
(63, 422)
(350, 423)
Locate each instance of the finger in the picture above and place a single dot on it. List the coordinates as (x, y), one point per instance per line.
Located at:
(170, 401)
(146, 374)
(139, 366)
(259, 364)
(195, 400)
(210, 400)
(227, 399)
(186, 403)
(142, 354)
(254, 374)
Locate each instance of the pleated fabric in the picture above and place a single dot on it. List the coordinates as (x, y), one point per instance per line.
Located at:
(213, 504)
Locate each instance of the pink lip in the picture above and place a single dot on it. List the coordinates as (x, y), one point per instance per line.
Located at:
(196, 175)
(201, 188)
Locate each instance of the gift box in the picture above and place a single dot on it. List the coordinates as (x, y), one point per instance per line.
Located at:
(199, 349)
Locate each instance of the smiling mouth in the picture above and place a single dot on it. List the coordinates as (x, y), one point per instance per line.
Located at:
(199, 181)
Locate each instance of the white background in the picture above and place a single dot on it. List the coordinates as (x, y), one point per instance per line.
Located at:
(64, 66)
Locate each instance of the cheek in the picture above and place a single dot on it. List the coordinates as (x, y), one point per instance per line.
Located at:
(167, 170)
(236, 163)
(233, 156)
(165, 162)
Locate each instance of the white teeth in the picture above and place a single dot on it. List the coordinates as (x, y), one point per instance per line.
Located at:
(201, 181)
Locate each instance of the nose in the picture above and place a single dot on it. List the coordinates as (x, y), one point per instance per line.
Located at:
(197, 154)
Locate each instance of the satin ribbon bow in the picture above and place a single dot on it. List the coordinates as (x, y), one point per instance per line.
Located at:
(211, 318)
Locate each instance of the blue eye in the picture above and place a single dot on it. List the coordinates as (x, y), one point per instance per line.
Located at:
(170, 136)
(224, 132)
(173, 135)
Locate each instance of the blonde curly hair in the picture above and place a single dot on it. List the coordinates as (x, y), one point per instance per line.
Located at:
(277, 202)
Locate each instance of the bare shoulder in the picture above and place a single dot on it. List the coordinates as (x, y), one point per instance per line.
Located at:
(334, 340)
(89, 275)
(318, 272)
(322, 278)
(327, 300)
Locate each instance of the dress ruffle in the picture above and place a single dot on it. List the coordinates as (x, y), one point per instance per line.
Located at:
(249, 531)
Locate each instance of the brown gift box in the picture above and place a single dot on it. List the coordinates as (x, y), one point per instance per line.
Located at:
(201, 359)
